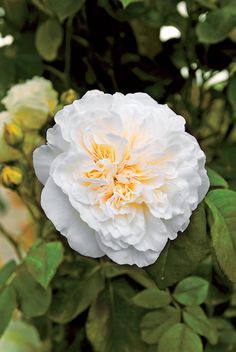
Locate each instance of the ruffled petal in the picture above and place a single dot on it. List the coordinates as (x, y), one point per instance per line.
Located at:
(42, 159)
(66, 220)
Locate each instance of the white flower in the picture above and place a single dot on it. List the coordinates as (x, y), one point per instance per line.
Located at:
(31, 102)
(121, 176)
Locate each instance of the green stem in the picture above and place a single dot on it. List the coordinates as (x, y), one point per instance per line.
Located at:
(10, 238)
(23, 198)
(56, 73)
(69, 32)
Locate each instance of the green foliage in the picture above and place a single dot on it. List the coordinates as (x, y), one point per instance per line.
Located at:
(191, 291)
(112, 323)
(20, 337)
(222, 204)
(33, 299)
(6, 272)
(64, 9)
(216, 180)
(76, 296)
(217, 25)
(152, 298)
(231, 92)
(7, 306)
(196, 319)
(156, 323)
(48, 39)
(193, 246)
(126, 3)
(180, 338)
(43, 260)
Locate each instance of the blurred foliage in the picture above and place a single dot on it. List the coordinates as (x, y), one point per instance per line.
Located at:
(186, 301)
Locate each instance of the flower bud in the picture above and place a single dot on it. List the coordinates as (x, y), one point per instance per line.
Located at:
(68, 96)
(11, 176)
(32, 102)
(13, 134)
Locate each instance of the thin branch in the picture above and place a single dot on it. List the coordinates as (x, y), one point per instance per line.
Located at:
(69, 32)
(13, 242)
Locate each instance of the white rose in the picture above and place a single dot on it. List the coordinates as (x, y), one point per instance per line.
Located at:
(31, 102)
(121, 176)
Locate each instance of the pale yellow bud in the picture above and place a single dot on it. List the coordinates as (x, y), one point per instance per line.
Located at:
(13, 134)
(69, 96)
(11, 176)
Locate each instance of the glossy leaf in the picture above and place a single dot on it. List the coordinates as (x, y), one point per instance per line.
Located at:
(113, 322)
(180, 338)
(196, 319)
(76, 295)
(33, 299)
(222, 204)
(43, 260)
(7, 306)
(126, 3)
(216, 180)
(217, 25)
(181, 256)
(64, 9)
(156, 323)
(139, 275)
(49, 38)
(20, 337)
(6, 272)
(152, 298)
(191, 291)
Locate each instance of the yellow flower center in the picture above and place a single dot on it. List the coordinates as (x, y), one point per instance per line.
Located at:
(120, 178)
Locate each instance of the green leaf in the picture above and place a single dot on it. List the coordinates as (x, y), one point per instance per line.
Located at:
(152, 298)
(222, 204)
(112, 270)
(75, 295)
(113, 322)
(155, 324)
(179, 338)
(196, 319)
(33, 299)
(181, 256)
(231, 92)
(126, 3)
(6, 272)
(7, 306)
(216, 180)
(43, 260)
(191, 291)
(20, 337)
(64, 9)
(19, 61)
(217, 25)
(49, 36)
(227, 336)
(16, 12)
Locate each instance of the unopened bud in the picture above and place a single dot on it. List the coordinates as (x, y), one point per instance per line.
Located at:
(13, 134)
(11, 176)
(69, 96)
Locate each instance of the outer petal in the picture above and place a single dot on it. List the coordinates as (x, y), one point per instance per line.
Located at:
(44, 155)
(130, 255)
(66, 220)
(42, 159)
